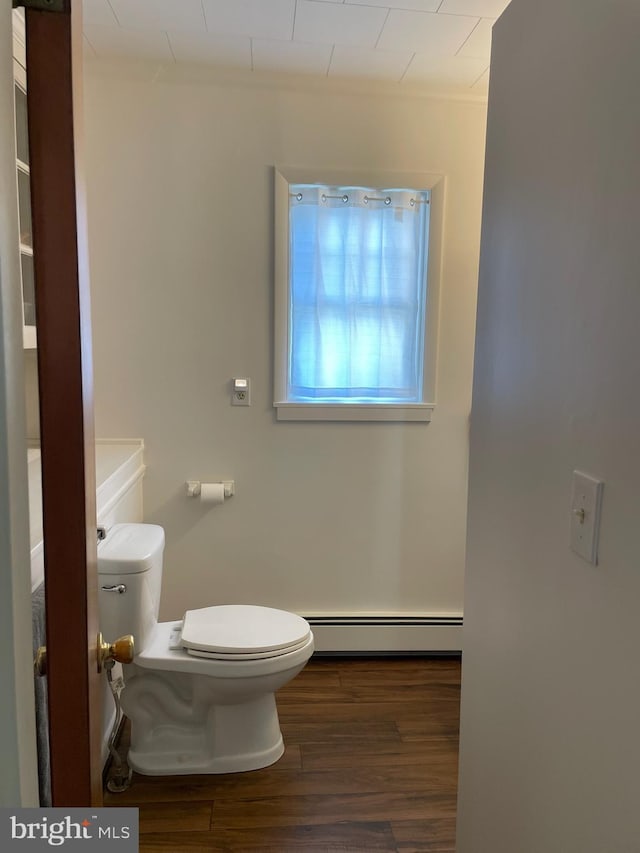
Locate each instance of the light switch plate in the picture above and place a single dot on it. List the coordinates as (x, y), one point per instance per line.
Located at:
(586, 503)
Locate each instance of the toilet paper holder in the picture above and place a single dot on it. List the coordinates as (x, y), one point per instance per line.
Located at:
(194, 488)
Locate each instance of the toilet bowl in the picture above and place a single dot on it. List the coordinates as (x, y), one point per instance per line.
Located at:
(200, 693)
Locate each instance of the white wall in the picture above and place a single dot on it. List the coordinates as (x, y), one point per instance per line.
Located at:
(18, 774)
(551, 698)
(327, 517)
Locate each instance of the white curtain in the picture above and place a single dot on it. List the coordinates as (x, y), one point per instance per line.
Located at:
(357, 293)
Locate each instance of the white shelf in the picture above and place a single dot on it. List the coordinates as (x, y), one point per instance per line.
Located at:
(29, 339)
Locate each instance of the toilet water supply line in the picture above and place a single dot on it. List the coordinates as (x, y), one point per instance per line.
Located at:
(120, 779)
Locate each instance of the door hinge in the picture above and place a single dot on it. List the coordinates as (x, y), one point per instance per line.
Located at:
(40, 5)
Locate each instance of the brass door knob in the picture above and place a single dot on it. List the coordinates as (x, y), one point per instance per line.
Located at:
(121, 651)
(40, 662)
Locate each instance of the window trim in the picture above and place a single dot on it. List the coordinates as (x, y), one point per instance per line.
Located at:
(300, 411)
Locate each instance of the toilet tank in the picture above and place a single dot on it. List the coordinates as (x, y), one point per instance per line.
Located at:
(129, 581)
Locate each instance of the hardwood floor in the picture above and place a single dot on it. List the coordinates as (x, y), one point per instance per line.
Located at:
(370, 764)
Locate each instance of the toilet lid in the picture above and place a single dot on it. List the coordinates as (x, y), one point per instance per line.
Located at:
(242, 631)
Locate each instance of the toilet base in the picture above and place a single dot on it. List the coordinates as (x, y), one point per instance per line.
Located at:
(227, 739)
(184, 764)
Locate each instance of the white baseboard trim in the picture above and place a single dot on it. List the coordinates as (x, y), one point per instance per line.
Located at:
(387, 634)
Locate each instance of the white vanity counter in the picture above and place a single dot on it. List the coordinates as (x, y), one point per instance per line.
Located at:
(119, 472)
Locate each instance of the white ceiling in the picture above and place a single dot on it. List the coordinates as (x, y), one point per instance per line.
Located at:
(440, 45)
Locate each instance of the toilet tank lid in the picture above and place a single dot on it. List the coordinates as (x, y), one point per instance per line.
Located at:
(130, 549)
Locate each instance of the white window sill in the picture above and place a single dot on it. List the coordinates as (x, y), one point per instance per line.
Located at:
(354, 412)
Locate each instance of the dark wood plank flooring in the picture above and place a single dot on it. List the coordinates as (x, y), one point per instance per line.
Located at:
(370, 764)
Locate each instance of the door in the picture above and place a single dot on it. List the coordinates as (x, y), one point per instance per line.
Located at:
(54, 97)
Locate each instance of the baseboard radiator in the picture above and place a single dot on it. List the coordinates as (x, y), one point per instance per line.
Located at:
(392, 635)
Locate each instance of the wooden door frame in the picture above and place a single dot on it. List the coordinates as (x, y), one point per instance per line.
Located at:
(54, 97)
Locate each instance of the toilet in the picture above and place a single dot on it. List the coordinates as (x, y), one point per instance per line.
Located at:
(200, 693)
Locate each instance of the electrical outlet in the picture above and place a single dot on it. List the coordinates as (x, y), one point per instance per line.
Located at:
(241, 392)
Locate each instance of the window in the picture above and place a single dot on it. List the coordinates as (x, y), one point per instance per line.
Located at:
(356, 292)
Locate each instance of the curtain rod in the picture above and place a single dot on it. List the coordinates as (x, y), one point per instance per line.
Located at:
(345, 198)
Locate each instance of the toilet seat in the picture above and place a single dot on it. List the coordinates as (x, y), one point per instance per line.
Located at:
(251, 656)
(161, 654)
(242, 632)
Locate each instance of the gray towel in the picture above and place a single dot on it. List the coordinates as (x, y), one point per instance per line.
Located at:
(38, 622)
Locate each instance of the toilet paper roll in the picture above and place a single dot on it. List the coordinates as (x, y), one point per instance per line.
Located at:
(212, 493)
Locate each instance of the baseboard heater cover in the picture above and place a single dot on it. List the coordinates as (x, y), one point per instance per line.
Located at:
(387, 634)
